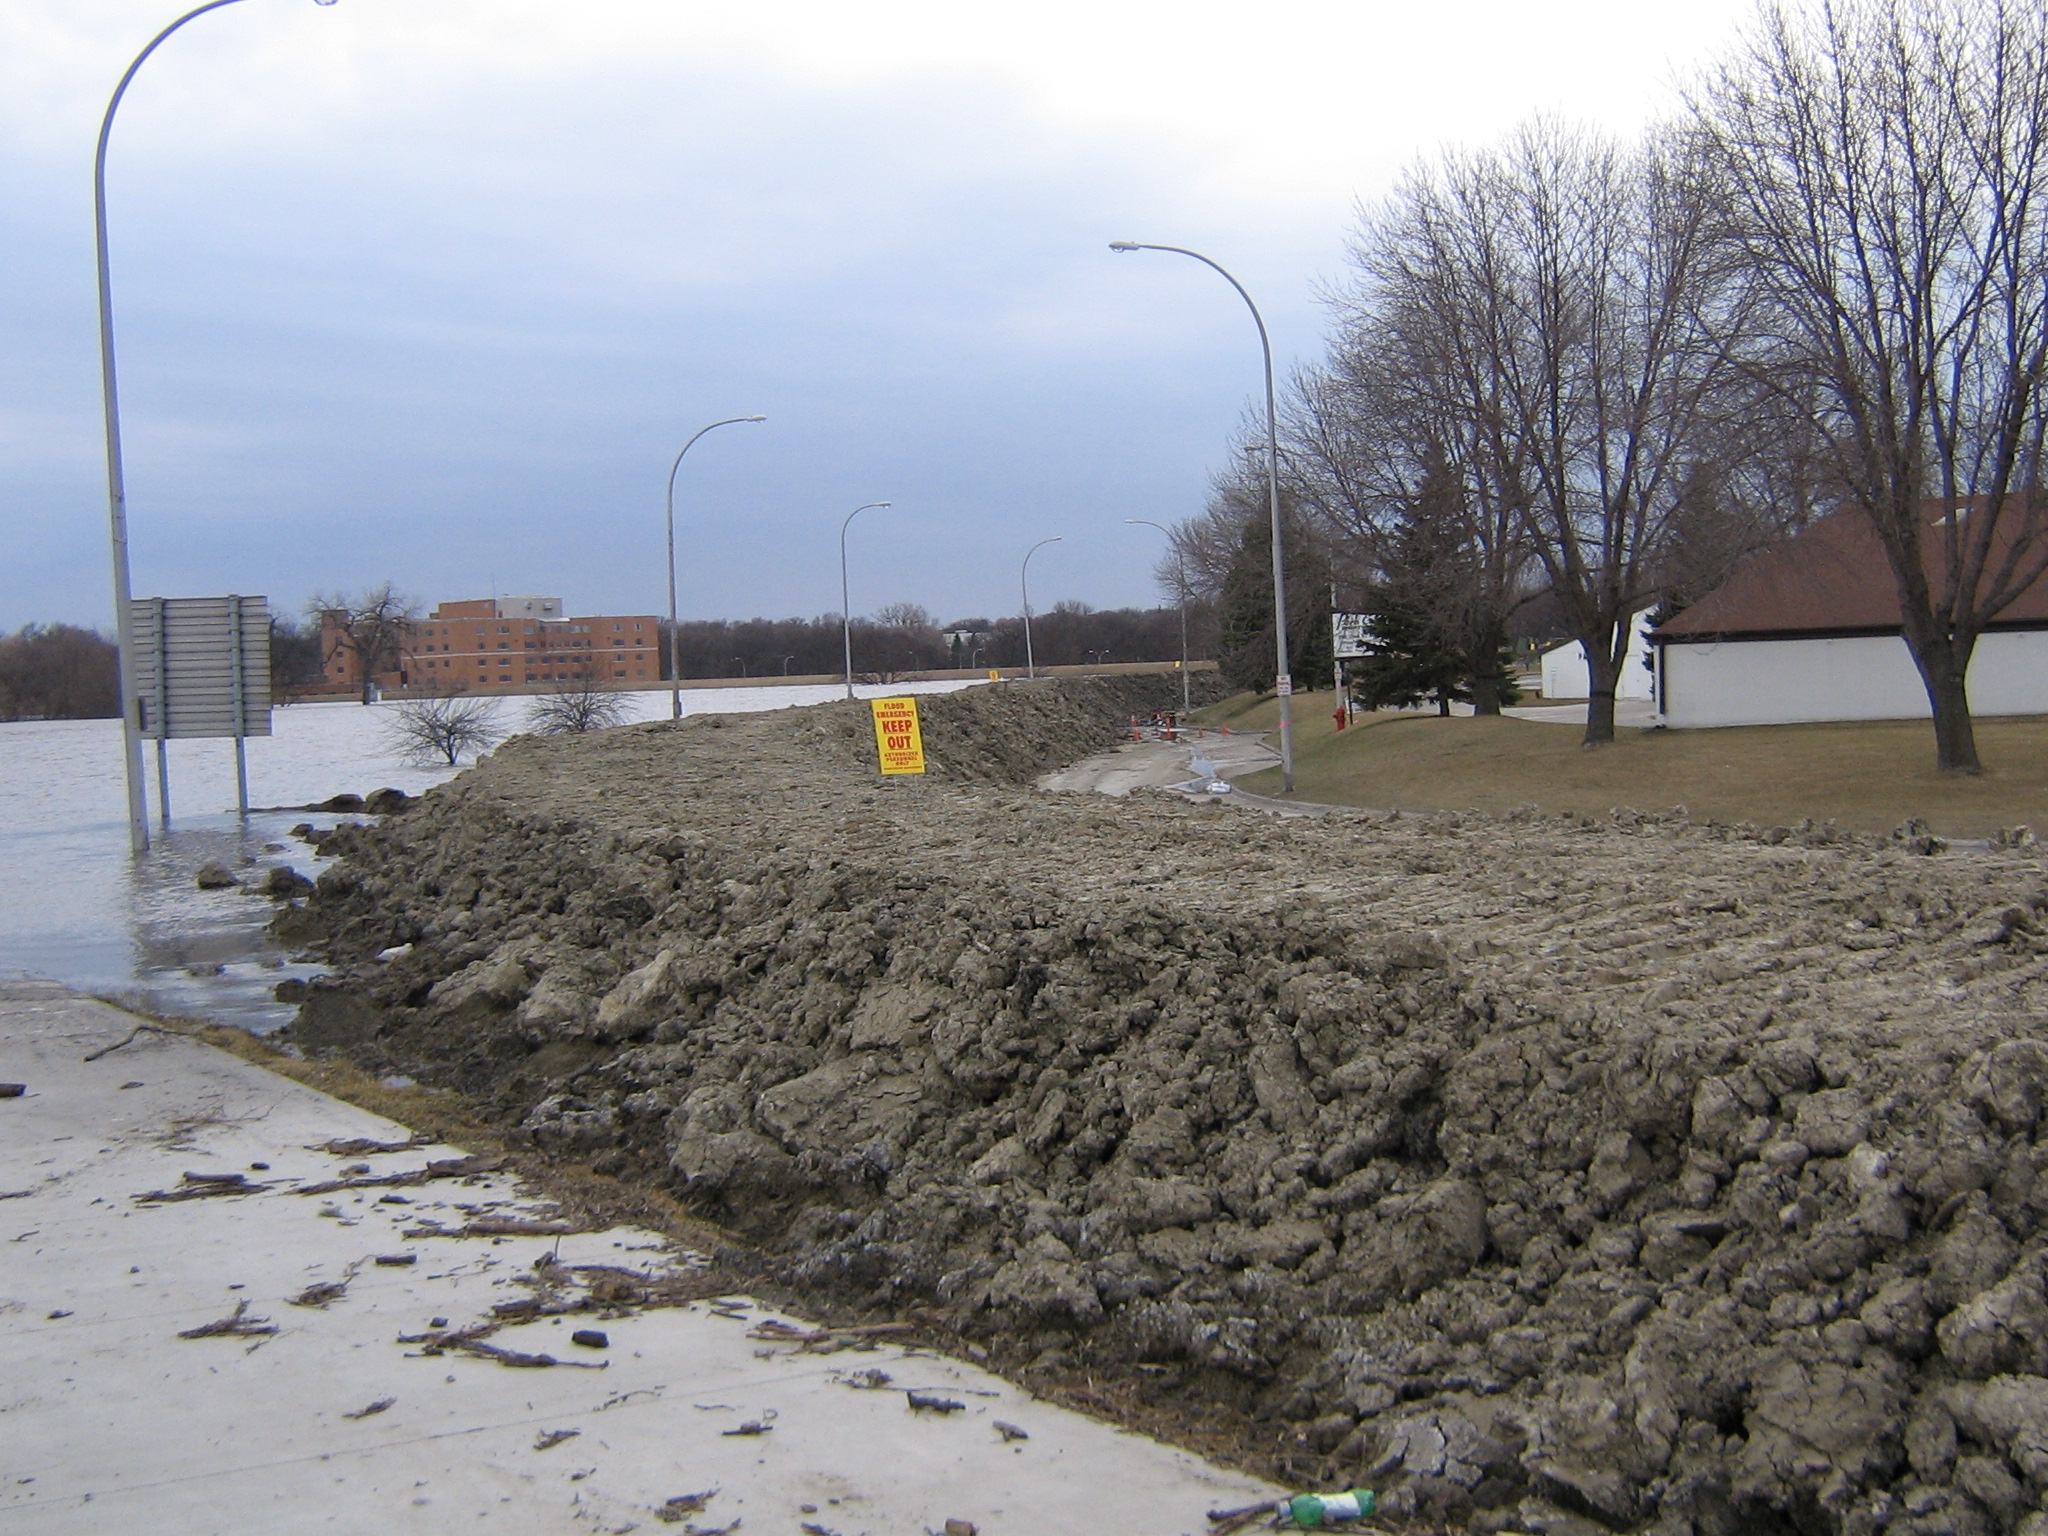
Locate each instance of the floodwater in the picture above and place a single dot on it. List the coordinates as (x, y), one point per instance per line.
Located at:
(77, 907)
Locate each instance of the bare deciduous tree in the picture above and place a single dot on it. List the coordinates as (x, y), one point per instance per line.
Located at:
(1202, 550)
(58, 672)
(911, 616)
(1567, 340)
(374, 626)
(1398, 477)
(574, 708)
(430, 731)
(1882, 166)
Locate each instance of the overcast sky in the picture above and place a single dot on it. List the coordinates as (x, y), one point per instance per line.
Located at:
(432, 290)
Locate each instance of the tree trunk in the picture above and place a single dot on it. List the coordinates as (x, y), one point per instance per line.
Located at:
(1486, 695)
(1944, 665)
(1603, 676)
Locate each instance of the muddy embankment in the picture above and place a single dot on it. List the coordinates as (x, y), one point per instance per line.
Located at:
(1633, 1172)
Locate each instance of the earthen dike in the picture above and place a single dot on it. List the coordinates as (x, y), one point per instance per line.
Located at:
(1666, 1176)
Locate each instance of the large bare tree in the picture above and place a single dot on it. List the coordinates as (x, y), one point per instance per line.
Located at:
(1567, 334)
(374, 626)
(1881, 169)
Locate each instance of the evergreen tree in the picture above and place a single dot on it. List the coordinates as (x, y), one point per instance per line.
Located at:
(1409, 662)
(1244, 649)
(1433, 641)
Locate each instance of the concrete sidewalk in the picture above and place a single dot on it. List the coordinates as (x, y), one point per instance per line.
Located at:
(342, 1412)
(1197, 759)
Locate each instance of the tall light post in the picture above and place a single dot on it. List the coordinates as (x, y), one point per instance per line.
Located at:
(675, 642)
(1024, 581)
(117, 480)
(1180, 562)
(845, 602)
(1283, 683)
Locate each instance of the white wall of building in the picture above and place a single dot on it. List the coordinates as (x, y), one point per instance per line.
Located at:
(1782, 682)
(529, 607)
(1565, 675)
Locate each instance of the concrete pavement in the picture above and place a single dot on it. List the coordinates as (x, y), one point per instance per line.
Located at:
(332, 1386)
(1191, 763)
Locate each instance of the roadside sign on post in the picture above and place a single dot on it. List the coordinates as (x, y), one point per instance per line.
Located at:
(898, 742)
(1351, 634)
(202, 668)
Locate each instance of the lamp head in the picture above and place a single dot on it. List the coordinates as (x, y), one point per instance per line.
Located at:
(1114, 245)
(743, 418)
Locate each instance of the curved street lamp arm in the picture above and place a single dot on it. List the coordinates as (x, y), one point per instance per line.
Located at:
(678, 464)
(1265, 342)
(1024, 571)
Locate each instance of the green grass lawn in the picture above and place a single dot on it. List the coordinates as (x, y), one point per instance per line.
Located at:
(1866, 775)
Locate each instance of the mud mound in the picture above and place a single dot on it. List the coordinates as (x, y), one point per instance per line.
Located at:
(1656, 1175)
(1012, 732)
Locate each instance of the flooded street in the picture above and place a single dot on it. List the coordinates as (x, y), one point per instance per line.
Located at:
(76, 908)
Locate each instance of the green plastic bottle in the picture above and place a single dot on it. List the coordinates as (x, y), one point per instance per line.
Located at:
(1308, 1511)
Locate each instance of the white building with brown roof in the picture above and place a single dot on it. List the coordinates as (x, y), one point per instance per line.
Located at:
(1810, 632)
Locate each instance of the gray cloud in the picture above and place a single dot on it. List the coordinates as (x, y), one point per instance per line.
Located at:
(456, 343)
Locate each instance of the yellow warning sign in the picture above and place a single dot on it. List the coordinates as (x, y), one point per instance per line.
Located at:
(897, 739)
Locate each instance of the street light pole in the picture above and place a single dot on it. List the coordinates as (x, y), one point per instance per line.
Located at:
(1283, 683)
(675, 644)
(1024, 581)
(845, 602)
(1180, 561)
(117, 479)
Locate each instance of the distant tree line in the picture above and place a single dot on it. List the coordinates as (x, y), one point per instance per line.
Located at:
(904, 637)
(1592, 376)
(58, 672)
(64, 672)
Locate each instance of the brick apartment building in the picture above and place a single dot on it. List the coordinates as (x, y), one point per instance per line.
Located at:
(505, 642)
